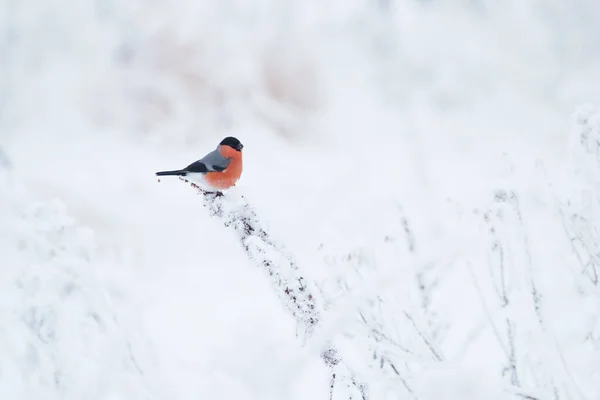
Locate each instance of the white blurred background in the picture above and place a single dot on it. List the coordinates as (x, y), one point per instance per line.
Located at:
(367, 125)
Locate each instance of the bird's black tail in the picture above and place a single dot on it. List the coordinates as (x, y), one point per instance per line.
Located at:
(178, 172)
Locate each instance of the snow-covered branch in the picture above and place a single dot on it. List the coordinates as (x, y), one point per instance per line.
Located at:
(289, 284)
(287, 280)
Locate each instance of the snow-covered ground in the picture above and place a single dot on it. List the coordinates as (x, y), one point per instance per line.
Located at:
(432, 165)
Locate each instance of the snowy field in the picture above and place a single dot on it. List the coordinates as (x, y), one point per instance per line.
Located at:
(433, 166)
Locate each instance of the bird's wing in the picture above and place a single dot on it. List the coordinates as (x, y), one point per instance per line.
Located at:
(211, 162)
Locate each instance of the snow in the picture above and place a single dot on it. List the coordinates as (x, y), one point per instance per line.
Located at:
(432, 166)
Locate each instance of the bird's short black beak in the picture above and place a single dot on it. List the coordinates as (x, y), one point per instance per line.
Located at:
(239, 147)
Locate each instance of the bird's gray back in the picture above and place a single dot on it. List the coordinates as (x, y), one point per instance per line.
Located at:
(215, 161)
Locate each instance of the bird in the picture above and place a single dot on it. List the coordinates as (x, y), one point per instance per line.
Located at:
(218, 170)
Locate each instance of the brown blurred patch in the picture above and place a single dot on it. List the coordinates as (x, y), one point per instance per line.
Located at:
(291, 79)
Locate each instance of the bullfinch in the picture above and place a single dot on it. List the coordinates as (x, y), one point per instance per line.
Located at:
(218, 170)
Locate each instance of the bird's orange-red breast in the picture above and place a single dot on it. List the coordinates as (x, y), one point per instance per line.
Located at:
(230, 175)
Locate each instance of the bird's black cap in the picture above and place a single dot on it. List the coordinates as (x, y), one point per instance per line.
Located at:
(232, 142)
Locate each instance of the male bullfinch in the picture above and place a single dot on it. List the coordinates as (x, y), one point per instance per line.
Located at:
(218, 170)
